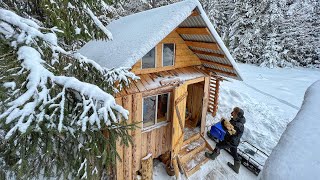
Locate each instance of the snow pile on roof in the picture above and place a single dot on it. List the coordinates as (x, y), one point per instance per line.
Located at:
(296, 155)
(137, 34)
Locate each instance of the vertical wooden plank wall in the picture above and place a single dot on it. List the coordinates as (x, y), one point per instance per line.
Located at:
(126, 169)
(136, 134)
(119, 163)
(127, 159)
(156, 141)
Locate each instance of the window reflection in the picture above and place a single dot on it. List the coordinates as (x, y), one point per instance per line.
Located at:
(168, 54)
(148, 61)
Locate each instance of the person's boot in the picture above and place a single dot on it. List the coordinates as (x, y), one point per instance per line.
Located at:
(235, 167)
(212, 155)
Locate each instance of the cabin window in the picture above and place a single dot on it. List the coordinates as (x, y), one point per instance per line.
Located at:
(155, 109)
(149, 60)
(168, 51)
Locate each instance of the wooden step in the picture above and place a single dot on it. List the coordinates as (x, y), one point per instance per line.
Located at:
(192, 138)
(194, 164)
(192, 154)
(186, 154)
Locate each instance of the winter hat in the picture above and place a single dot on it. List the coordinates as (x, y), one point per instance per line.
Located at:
(239, 112)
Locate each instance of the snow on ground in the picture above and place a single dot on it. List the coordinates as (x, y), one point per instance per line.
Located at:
(296, 155)
(270, 98)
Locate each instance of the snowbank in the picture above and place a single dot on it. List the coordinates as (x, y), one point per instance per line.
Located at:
(296, 154)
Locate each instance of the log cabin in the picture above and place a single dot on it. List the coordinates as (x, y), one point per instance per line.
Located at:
(180, 60)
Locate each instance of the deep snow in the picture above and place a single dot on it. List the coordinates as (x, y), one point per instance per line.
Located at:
(270, 98)
(296, 154)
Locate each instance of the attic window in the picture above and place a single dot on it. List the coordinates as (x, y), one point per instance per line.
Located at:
(149, 60)
(168, 51)
(155, 109)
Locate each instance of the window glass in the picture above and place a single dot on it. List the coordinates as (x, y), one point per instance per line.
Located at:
(168, 54)
(148, 61)
(162, 111)
(149, 111)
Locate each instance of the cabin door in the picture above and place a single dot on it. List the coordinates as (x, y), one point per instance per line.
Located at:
(179, 111)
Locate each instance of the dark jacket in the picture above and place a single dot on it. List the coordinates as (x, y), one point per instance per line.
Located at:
(238, 125)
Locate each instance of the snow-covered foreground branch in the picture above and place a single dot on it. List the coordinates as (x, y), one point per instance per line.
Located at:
(22, 107)
(55, 104)
(96, 104)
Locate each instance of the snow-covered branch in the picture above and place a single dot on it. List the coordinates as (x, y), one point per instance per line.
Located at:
(29, 107)
(98, 22)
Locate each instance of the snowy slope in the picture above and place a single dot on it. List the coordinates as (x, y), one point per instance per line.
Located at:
(297, 154)
(270, 98)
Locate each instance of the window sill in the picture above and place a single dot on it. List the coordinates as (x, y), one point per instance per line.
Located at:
(156, 126)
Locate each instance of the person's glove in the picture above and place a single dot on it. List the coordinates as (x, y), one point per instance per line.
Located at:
(229, 127)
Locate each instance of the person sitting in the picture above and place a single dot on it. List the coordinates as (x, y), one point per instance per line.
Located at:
(235, 128)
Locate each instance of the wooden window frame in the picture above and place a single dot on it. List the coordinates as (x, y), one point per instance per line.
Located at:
(174, 54)
(156, 124)
(155, 58)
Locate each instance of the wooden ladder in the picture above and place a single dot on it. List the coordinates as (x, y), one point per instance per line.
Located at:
(191, 156)
(214, 94)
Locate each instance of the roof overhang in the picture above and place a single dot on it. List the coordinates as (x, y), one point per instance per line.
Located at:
(201, 38)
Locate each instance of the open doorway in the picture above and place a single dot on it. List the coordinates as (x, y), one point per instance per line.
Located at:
(194, 109)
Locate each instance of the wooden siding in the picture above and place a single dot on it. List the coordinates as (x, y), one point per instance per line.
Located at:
(156, 141)
(184, 57)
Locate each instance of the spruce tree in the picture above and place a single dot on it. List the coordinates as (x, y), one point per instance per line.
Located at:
(299, 33)
(58, 117)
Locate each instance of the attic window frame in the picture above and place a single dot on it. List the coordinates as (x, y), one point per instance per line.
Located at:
(174, 54)
(155, 59)
(156, 124)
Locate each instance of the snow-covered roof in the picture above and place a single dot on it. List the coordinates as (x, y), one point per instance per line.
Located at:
(296, 156)
(137, 34)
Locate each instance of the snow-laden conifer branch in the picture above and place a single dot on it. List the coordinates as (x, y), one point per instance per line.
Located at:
(30, 107)
(97, 22)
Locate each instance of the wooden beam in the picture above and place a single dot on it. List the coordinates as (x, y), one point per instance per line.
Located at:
(176, 168)
(209, 53)
(213, 46)
(195, 13)
(205, 104)
(223, 72)
(196, 80)
(216, 64)
(202, 31)
(147, 167)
